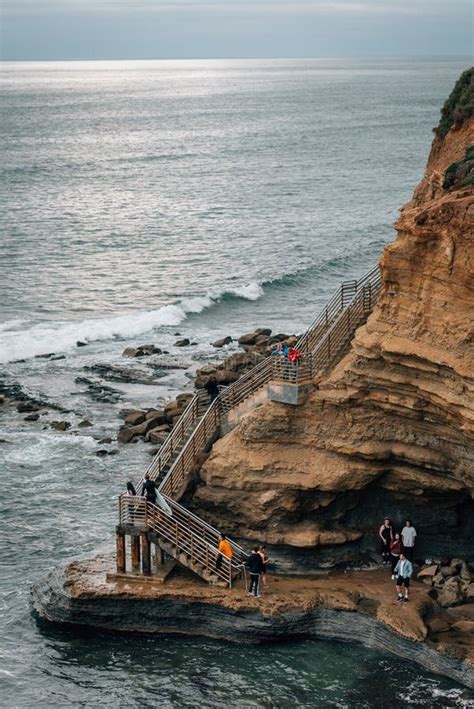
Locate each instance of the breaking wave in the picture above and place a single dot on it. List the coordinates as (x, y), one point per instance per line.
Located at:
(62, 336)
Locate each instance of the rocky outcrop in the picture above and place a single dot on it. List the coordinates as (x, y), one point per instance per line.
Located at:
(391, 429)
(358, 607)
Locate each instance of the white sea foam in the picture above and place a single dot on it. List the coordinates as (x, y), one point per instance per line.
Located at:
(61, 336)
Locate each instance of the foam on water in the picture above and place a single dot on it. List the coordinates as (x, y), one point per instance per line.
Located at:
(61, 336)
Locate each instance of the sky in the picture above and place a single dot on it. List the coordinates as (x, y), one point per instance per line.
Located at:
(173, 29)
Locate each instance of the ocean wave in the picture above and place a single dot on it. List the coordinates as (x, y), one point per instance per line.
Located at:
(62, 336)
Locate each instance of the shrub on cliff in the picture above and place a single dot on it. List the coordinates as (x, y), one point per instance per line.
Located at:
(461, 173)
(459, 105)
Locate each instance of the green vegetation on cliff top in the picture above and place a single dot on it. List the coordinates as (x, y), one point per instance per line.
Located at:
(459, 105)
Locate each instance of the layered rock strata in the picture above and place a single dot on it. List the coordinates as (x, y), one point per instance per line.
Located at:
(360, 607)
(390, 431)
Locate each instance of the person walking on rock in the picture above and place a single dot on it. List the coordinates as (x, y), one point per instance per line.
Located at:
(386, 536)
(396, 548)
(255, 566)
(403, 571)
(409, 539)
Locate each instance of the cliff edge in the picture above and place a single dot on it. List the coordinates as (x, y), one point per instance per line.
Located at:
(390, 430)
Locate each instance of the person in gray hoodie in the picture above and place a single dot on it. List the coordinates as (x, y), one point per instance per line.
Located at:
(403, 573)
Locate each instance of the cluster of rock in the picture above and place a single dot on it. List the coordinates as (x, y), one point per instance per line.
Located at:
(142, 351)
(452, 582)
(257, 345)
(152, 425)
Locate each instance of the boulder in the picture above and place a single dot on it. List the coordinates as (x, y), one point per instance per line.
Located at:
(184, 399)
(428, 571)
(182, 343)
(130, 352)
(456, 564)
(134, 418)
(262, 340)
(438, 624)
(157, 416)
(447, 571)
(226, 376)
(206, 371)
(470, 593)
(464, 626)
(156, 435)
(31, 417)
(438, 580)
(80, 343)
(222, 342)
(154, 451)
(464, 573)
(263, 331)
(85, 423)
(451, 594)
(60, 425)
(104, 441)
(101, 452)
(158, 420)
(125, 435)
(248, 339)
(25, 407)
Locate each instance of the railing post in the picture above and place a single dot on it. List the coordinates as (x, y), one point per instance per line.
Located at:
(192, 548)
(146, 554)
(135, 551)
(120, 550)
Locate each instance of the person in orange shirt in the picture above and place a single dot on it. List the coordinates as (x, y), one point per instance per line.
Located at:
(225, 548)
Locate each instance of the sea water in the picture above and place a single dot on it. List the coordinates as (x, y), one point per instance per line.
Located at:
(205, 198)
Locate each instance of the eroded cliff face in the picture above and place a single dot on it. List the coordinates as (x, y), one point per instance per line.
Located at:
(391, 430)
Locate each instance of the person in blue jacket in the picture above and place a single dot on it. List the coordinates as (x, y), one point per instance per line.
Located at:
(403, 572)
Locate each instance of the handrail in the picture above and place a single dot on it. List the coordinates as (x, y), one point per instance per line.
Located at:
(324, 341)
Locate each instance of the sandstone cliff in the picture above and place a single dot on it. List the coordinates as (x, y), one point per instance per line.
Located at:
(391, 429)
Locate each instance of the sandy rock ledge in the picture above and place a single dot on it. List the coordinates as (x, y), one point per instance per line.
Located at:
(354, 607)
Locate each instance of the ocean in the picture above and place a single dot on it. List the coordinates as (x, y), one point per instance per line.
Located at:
(206, 198)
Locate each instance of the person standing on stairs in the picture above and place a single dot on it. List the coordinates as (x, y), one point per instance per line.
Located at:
(212, 388)
(224, 547)
(255, 566)
(149, 489)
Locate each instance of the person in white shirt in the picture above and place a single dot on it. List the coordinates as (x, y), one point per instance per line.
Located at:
(409, 538)
(403, 571)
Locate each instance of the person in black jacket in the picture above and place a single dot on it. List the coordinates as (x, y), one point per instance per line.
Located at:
(255, 566)
(149, 489)
(212, 388)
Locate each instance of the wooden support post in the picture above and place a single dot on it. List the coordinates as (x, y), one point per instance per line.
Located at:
(135, 544)
(120, 546)
(146, 554)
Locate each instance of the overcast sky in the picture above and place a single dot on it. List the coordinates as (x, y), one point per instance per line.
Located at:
(114, 29)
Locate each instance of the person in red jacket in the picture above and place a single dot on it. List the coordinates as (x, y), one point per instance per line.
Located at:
(396, 548)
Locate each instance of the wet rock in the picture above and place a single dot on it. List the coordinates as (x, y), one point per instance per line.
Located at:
(98, 391)
(27, 407)
(438, 624)
(101, 453)
(141, 351)
(58, 357)
(134, 418)
(31, 417)
(263, 331)
(167, 364)
(158, 419)
(248, 339)
(154, 451)
(85, 423)
(116, 373)
(60, 425)
(182, 343)
(157, 435)
(45, 356)
(104, 441)
(125, 435)
(80, 343)
(222, 342)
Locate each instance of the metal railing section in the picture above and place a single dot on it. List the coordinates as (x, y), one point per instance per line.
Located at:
(324, 341)
(182, 539)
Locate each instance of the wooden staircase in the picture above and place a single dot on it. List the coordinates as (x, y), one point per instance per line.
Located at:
(184, 536)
